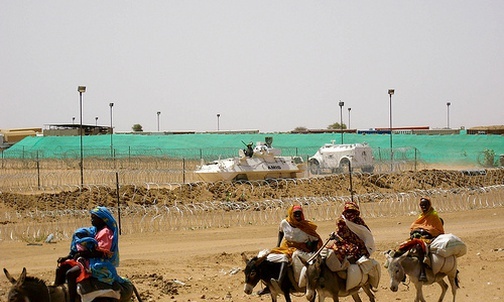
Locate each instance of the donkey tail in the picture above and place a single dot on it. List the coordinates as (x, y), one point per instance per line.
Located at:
(457, 281)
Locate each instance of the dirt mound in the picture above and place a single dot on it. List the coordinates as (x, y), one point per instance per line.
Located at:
(327, 186)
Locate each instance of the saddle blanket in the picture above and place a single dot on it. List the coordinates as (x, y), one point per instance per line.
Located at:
(90, 289)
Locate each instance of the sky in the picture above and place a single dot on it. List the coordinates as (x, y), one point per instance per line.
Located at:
(261, 64)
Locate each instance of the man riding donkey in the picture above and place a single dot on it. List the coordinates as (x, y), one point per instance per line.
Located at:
(351, 248)
(295, 233)
(423, 230)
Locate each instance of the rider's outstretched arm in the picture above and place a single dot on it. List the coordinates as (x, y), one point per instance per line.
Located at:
(280, 237)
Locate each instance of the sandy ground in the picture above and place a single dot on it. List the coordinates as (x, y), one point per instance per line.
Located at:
(205, 265)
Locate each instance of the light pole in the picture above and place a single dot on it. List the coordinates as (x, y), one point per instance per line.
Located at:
(158, 113)
(349, 109)
(73, 120)
(448, 115)
(391, 92)
(341, 104)
(111, 132)
(81, 90)
(96, 121)
(218, 121)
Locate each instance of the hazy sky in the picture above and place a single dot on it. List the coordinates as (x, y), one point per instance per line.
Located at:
(261, 64)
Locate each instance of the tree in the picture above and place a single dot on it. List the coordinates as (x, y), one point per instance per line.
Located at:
(137, 128)
(337, 126)
(300, 129)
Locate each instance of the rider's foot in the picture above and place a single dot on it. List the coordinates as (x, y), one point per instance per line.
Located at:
(422, 277)
(263, 291)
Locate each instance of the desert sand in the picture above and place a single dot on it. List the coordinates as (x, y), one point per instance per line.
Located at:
(205, 265)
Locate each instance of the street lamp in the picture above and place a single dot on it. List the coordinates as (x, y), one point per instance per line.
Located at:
(111, 132)
(218, 117)
(391, 92)
(448, 115)
(81, 90)
(349, 109)
(73, 120)
(96, 121)
(341, 104)
(158, 113)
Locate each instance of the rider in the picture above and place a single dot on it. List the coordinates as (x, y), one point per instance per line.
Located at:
(425, 228)
(94, 252)
(250, 149)
(353, 237)
(295, 233)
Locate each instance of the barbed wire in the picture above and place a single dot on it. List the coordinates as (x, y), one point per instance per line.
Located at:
(36, 225)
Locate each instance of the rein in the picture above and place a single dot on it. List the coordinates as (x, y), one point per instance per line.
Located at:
(335, 236)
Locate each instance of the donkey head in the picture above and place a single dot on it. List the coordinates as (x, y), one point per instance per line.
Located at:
(26, 289)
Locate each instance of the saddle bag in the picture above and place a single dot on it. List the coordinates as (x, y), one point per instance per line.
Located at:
(445, 265)
(446, 245)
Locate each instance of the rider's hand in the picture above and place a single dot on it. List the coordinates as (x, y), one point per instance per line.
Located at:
(63, 259)
(332, 236)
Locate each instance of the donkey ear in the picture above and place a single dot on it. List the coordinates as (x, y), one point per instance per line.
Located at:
(9, 277)
(244, 257)
(22, 277)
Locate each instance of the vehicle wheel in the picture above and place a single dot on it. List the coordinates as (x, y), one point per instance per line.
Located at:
(314, 166)
(240, 177)
(344, 166)
(368, 169)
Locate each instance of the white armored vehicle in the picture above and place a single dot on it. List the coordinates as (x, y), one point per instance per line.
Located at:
(337, 158)
(259, 162)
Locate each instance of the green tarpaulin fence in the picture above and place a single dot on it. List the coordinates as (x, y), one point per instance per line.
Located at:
(459, 148)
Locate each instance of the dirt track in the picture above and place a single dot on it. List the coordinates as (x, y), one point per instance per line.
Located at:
(198, 265)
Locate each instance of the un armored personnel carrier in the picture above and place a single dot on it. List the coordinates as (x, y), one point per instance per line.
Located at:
(259, 162)
(337, 158)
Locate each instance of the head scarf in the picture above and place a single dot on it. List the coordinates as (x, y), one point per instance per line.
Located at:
(104, 214)
(350, 205)
(357, 226)
(104, 269)
(304, 225)
(83, 237)
(426, 199)
(429, 221)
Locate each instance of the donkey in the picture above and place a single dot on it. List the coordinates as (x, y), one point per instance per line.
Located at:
(260, 269)
(407, 265)
(326, 283)
(32, 289)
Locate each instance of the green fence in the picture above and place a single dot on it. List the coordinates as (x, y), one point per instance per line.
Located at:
(448, 149)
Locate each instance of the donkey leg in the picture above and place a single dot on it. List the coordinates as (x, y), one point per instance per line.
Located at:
(320, 297)
(273, 295)
(287, 295)
(454, 286)
(367, 289)
(444, 288)
(419, 294)
(356, 297)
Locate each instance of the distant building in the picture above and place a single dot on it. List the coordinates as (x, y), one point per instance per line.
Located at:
(74, 129)
(9, 137)
(497, 129)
